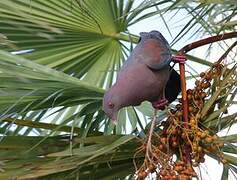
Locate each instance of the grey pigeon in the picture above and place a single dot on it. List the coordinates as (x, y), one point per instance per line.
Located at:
(143, 76)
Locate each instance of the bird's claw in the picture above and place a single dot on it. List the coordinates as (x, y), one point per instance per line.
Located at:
(160, 104)
(179, 59)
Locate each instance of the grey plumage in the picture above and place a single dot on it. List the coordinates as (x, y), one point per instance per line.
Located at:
(143, 76)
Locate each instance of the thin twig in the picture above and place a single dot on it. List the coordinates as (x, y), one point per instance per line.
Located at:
(227, 52)
(148, 146)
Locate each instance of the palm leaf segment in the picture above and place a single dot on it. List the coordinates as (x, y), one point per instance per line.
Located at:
(80, 38)
(77, 43)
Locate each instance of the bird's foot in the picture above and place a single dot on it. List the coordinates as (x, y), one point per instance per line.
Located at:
(179, 59)
(160, 104)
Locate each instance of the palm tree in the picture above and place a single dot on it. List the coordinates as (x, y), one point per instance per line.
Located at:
(56, 60)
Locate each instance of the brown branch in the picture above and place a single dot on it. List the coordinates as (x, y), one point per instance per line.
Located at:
(206, 41)
(184, 94)
(185, 105)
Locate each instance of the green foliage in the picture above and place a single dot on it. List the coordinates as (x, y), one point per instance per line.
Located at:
(98, 156)
(75, 49)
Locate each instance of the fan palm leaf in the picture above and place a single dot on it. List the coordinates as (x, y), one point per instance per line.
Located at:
(75, 37)
(69, 51)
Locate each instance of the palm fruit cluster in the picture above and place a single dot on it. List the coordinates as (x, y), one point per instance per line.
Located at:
(179, 146)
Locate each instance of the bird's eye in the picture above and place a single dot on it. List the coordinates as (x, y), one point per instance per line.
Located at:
(111, 105)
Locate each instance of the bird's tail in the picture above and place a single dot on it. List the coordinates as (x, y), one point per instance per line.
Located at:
(173, 86)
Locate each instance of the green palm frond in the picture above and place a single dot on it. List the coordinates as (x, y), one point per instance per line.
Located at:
(75, 37)
(34, 86)
(203, 17)
(27, 86)
(69, 51)
(100, 157)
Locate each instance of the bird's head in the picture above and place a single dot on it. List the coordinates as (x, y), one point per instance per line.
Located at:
(111, 105)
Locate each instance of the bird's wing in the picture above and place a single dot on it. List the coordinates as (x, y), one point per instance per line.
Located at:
(165, 59)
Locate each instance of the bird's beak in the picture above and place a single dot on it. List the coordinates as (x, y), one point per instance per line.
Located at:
(115, 118)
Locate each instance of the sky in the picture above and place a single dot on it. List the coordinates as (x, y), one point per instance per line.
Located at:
(211, 169)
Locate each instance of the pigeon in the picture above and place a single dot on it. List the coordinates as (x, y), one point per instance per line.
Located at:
(145, 76)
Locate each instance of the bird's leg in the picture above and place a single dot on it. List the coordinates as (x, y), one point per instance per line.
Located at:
(161, 102)
(179, 59)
